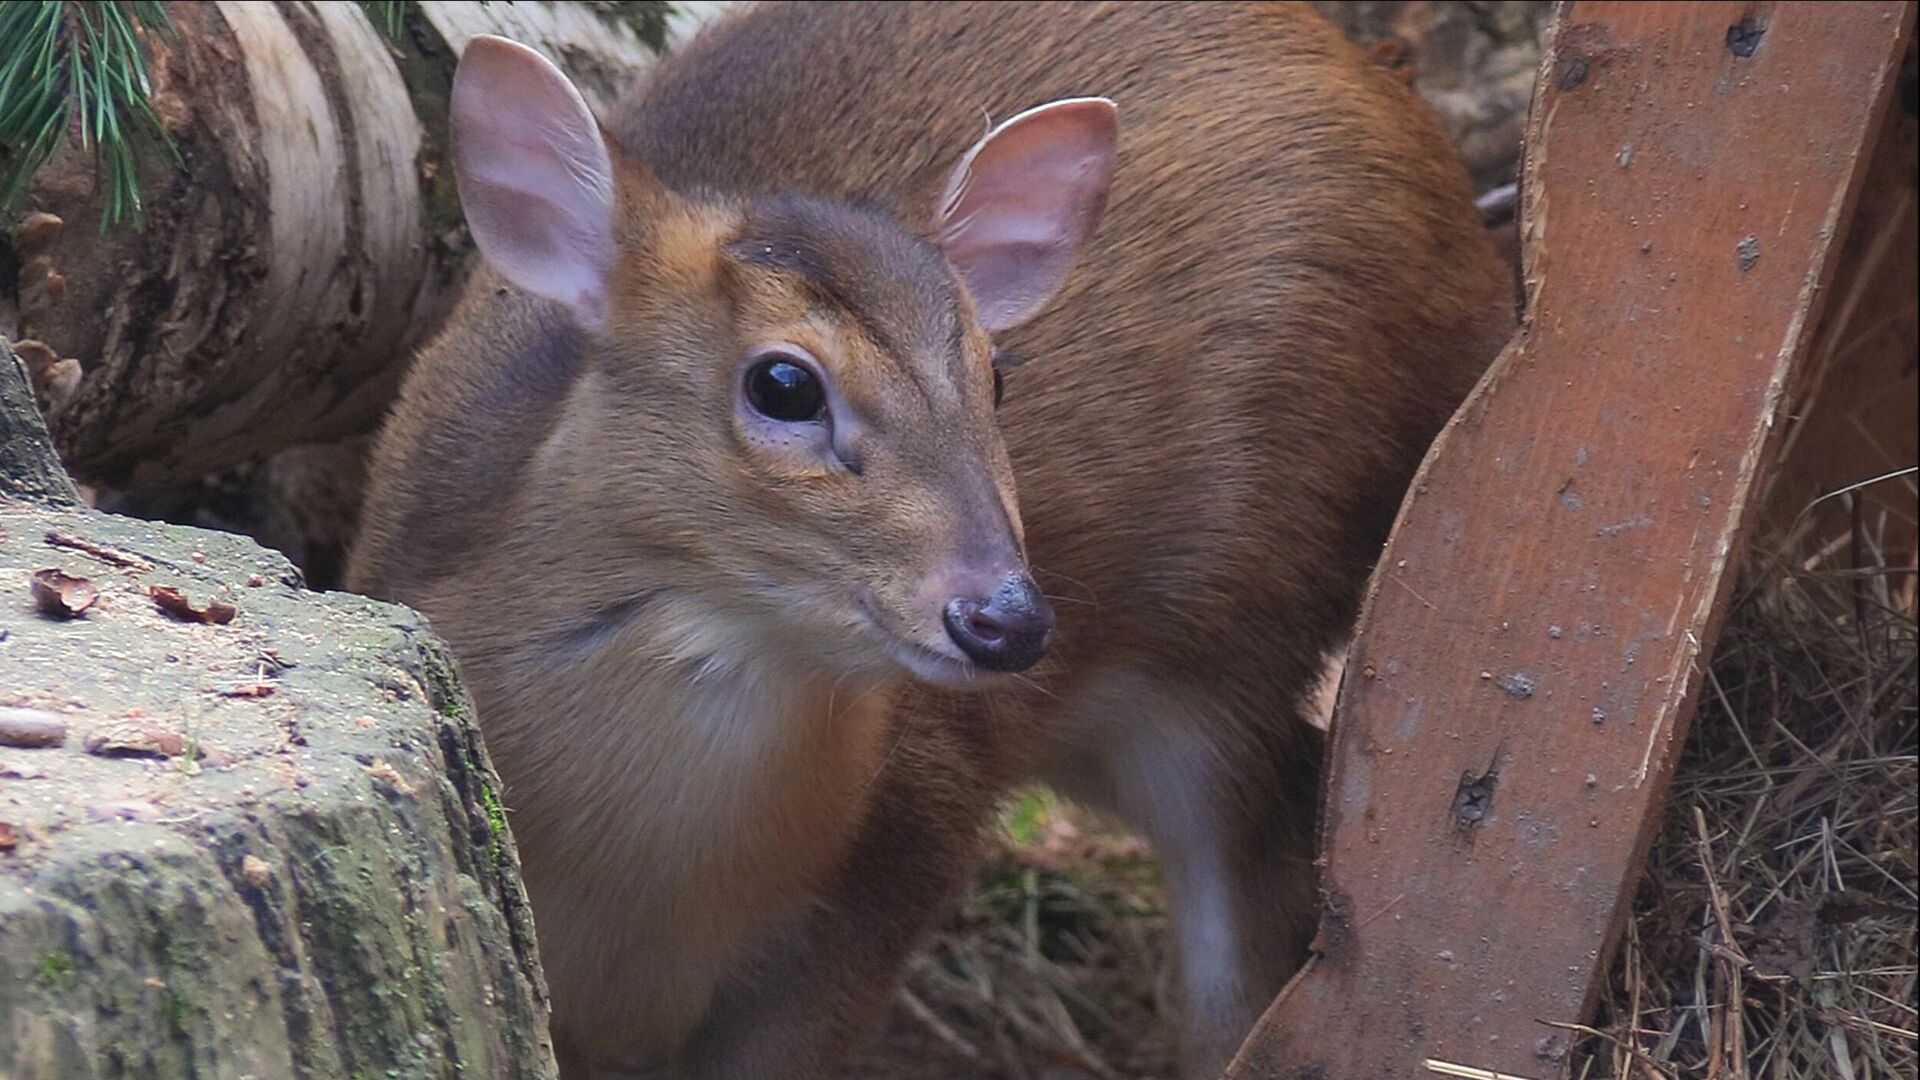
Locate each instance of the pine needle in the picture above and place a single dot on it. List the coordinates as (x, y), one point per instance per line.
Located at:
(78, 70)
(387, 15)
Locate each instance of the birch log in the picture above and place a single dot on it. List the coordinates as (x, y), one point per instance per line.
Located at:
(308, 237)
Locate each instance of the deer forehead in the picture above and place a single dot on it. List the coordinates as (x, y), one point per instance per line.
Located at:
(865, 269)
(881, 309)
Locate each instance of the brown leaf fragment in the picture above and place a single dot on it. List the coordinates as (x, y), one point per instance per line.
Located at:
(9, 839)
(37, 355)
(36, 232)
(246, 690)
(31, 729)
(175, 603)
(62, 595)
(390, 776)
(256, 871)
(136, 740)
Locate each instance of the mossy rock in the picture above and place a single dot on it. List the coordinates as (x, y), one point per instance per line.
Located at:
(295, 865)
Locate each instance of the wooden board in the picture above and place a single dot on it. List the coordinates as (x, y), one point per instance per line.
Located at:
(1524, 670)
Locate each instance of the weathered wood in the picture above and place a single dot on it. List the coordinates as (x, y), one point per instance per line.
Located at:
(1531, 641)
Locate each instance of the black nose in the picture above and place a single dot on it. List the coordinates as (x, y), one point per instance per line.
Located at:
(1007, 631)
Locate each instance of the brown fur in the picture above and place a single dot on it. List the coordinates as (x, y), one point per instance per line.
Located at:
(1289, 293)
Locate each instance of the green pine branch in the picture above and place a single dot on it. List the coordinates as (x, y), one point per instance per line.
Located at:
(77, 70)
(387, 15)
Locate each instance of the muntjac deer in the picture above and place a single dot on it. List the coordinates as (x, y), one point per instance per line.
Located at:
(763, 591)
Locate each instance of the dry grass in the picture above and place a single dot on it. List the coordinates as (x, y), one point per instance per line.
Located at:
(1773, 939)
(1056, 967)
(1775, 935)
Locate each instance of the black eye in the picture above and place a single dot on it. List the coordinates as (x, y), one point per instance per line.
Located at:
(999, 388)
(780, 388)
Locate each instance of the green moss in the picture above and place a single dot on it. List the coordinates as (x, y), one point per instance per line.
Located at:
(496, 814)
(443, 686)
(1025, 815)
(54, 965)
(496, 822)
(173, 1008)
(454, 707)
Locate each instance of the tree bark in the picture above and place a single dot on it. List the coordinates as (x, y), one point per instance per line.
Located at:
(28, 467)
(309, 237)
(265, 847)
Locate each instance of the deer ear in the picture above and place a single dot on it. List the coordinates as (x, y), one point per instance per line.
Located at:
(1021, 202)
(536, 180)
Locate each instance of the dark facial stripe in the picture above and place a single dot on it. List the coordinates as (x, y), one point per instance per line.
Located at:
(896, 286)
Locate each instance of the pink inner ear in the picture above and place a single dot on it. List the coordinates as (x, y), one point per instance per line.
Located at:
(1022, 201)
(535, 176)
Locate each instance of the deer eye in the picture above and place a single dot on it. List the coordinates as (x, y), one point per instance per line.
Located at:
(999, 388)
(781, 387)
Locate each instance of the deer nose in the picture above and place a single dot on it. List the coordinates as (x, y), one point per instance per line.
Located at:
(1007, 631)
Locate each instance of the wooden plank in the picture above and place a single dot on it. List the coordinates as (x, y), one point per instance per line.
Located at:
(1522, 678)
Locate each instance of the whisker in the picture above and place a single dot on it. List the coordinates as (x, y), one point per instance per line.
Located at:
(1034, 685)
(1052, 599)
(1093, 597)
(992, 703)
(862, 696)
(906, 725)
(835, 689)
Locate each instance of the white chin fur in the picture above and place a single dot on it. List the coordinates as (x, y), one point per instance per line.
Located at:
(929, 666)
